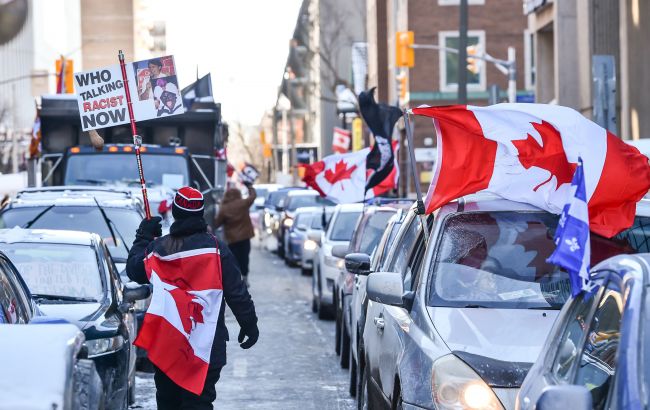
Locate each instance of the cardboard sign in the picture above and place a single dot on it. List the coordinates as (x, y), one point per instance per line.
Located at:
(248, 174)
(153, 87)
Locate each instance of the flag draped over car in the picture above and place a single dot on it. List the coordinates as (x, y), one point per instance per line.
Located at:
(180, 324)
(572, 237)
(528, 153)
(342, 177)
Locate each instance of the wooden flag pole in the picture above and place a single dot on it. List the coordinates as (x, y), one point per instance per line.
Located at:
(420, 203)
(137, 140)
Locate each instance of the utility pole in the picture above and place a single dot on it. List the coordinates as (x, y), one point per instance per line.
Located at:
(462, 54)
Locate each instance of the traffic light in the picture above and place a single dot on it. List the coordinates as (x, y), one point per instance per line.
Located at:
(473, 64)
(404, 53)
(402, 85)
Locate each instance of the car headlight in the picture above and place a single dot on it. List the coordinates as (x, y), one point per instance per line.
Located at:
(100, 347)
(340, 264)
(309, 245)
(288, 222)
(455, 385)
(331, 261)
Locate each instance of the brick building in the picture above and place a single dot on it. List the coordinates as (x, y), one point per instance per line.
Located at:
(493, 27)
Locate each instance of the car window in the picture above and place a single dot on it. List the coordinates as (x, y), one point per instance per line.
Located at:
(402, 252)
(343, 226)
(409, 276)
(370, 231)
(303, 220)
(299, 201)
(598, 359)
(572, 336)
(81, 218)
(12, 308)
(57, 269)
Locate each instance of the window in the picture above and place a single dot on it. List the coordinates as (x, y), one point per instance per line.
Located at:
(449, 61)
(529, 60)
(400, 258)
(343, 226)
(12, 308)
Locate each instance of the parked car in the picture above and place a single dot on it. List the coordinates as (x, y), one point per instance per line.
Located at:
(366, 237)
(297, 235)
(295, 199)
(595, 357)
(28, 340)
(313, 236)
(257, 209)
(361, 265)
(441, 319)
(72, 276)
(271, 218)
(332, 249)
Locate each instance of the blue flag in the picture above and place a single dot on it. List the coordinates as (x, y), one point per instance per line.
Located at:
(572, 239)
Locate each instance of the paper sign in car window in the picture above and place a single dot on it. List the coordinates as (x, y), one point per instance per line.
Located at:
(76, 279)
(173, 181)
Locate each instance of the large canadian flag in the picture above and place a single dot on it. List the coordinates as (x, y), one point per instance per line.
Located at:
(179, 326)
(342, 177)
(528, 153)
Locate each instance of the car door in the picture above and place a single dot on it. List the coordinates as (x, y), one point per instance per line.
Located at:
(379, 341)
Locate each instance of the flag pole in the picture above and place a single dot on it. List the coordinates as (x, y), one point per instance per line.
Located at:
(137, 140)
(418, 191)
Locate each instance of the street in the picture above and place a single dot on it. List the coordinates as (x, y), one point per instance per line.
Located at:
(293, 366)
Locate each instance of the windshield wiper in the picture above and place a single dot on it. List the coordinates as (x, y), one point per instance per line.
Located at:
(110, 225)
(37, 217)
(61, 297)
(92, 181)
(475, 306)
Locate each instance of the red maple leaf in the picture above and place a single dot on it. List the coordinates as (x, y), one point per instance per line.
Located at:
(550, 156)
(340, 172)
(189, 311)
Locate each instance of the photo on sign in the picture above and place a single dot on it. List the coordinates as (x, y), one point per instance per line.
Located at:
(152, 69)
(166, 95)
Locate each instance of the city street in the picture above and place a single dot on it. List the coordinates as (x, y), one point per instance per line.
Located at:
(293, 366)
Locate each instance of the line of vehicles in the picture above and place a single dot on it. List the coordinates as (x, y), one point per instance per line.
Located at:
(460, 310)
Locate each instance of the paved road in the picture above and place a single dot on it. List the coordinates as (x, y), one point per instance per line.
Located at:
(293, 366)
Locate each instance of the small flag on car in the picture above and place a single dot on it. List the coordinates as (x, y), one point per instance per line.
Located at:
(572, 238)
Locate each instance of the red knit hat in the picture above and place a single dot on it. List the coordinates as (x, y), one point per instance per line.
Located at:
(187, 202)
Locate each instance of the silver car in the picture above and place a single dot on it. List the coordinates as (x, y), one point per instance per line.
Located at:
(440, 322)
(333, 246)
(313, 237)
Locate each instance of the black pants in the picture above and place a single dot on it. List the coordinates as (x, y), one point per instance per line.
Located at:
(241, 250)
(170, 396)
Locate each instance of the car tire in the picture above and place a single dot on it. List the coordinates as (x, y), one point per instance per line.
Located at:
(352, 388)
(305, 271)
(88, 390)
(337, 330)
(345, 347)
(363, 397)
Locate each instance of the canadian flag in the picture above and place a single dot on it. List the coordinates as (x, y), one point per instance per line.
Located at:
(341, 140)
(180, 324)
(528, 153)
(342, 177)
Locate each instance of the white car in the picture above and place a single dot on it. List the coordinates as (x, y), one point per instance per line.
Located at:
(333, 247)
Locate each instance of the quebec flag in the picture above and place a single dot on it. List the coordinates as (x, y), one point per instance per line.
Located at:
(573, 251)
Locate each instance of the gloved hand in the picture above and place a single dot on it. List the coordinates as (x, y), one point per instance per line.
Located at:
(253, 334)
(149, 228)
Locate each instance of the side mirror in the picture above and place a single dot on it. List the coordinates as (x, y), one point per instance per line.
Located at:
(386, 288)
(314, 236)
(565, 396)
(357, 263)
(340, 251)
(301, 227)
(132, 294)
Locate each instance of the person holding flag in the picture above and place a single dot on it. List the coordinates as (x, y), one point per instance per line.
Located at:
(184, 331)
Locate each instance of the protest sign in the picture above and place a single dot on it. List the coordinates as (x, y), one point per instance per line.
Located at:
(153, 86)
(248, 174)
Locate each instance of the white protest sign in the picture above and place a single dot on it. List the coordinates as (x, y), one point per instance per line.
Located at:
(248, 174)
(153, 87)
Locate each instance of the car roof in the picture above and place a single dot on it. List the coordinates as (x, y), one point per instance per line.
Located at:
(318, 209)
(74, 196)
(356, 207)
(302, 192)
(19, 235)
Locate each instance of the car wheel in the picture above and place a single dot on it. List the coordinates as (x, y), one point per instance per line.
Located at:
(353, 376)
(305, 271)
(337, 330)
(88, 391)
(362, 397)
(345, 348)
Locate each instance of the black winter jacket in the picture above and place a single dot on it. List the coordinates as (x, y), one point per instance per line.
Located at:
(185, 235)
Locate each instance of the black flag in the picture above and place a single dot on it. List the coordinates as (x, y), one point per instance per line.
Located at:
(199, 89)
(381, 119)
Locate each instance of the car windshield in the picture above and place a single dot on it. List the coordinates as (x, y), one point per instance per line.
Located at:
(275, 198)
(373, 229)
(54, 269)
(81, 218)
(317, 219)
(100, 169)
(303, 220)
(344, 225)
(498, 259)
(300, 201)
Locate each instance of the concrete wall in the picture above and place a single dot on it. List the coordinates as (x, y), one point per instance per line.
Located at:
(106, 28)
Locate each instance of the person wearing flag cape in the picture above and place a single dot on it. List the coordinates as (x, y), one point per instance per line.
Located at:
(184, 331)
